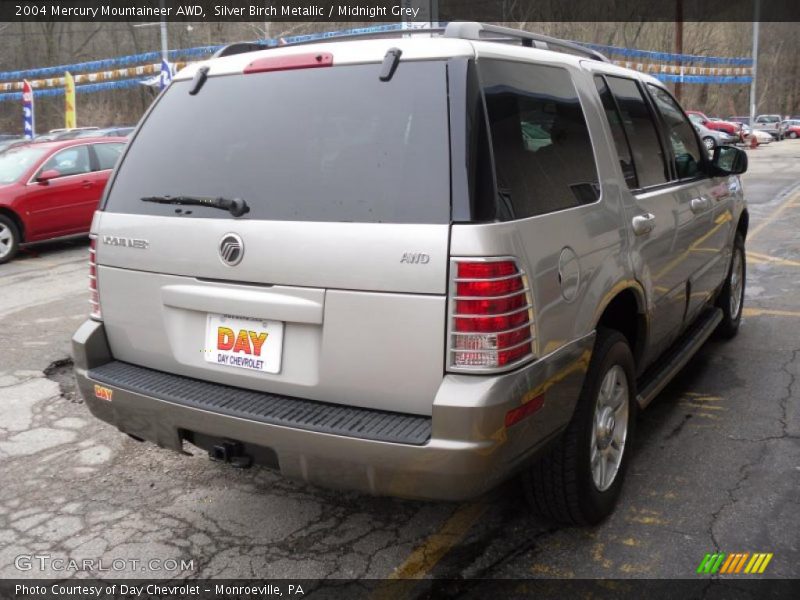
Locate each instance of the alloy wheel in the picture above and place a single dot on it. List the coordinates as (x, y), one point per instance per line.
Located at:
(6, 240)
(737, 284)
(609, 428)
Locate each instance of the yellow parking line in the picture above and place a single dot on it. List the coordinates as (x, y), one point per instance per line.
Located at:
(759, 258)
(757, 312)
(424, 558)
(790, 203)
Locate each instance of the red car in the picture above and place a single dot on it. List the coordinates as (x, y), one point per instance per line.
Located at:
(51, 189)
(727, 126)
(792, 129)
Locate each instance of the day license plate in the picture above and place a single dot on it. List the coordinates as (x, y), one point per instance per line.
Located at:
(242, 342)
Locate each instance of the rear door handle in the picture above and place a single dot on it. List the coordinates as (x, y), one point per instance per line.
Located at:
(700, 204)
(87, 184)
(643, 223)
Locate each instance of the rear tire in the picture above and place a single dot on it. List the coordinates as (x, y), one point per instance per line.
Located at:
(731, 297)
(9, 239)
(566, 484)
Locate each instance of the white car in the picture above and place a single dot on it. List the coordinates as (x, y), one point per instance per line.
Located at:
(762, 137)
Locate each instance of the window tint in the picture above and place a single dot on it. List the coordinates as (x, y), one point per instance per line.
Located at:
(335, 145)
(618, 133)
(71, 161)
(107, 155)
(686, 151)
(542, 150)
(648, 158)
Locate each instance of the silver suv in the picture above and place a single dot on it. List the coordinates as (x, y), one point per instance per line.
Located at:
(411, 266)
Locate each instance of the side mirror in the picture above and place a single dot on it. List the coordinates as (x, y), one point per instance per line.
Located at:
(46, 176)
(728, 160)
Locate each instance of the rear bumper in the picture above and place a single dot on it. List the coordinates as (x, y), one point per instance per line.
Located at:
(468, 452)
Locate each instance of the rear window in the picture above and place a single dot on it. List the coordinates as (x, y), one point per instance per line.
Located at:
(328, 144)
(107, 155)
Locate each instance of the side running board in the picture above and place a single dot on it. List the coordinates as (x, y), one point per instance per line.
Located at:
(658, 376)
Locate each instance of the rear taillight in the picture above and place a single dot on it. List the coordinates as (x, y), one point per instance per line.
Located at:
(490, 315)
(94, 296)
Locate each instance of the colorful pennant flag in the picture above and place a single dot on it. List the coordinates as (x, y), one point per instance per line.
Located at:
(71, 120)
(27, 111)
(166, 74)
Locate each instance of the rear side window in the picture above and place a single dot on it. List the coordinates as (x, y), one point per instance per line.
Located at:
(617, 133)
(686, 153)
(333, 144)
(107, 155)
(637, 119)
(542, 150)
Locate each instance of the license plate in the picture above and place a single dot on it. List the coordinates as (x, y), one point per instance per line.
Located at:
(242, 342)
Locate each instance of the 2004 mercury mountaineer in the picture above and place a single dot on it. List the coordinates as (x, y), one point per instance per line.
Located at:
(411, 266)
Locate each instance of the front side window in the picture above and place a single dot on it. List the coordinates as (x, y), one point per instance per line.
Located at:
(71, 161)
(648, 157)
(542, 151)
(686, 152)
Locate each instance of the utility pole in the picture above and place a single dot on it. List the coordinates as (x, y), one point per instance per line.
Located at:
(679, 45)
(753, 98)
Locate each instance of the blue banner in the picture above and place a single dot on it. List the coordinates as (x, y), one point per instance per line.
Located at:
(28, 126)
(166, 74)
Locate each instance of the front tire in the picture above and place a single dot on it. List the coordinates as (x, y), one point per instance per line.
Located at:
(731, 297)
(9, 239)
(709, 143)
(579, 480)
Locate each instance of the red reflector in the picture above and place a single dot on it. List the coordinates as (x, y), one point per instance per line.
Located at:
(506, 340)
(486, 270)
(491, 324)
(286, 63)
(526, 410)
(506, 357)
(490, 307)
(489, 288)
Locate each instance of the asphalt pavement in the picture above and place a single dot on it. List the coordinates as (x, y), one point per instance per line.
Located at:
(716, 464)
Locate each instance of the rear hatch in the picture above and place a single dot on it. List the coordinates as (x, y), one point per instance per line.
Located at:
(332, 287)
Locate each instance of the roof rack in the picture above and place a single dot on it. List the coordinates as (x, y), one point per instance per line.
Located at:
(243, 47)
(239, 48)
(472, 31)
(464, 30)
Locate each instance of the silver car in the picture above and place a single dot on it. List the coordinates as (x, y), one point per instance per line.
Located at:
(411, 266)
(712, 138)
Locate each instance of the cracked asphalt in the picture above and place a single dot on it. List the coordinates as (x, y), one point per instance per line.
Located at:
(716, 463)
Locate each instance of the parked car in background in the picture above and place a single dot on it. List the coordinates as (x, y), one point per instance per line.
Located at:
(770, 124)
(762, 137)
(51, 189)
(712, 138)
(71, 134)
(8, 136)
(12, 143)
(107, 132)
(791, 128)
(728, 127)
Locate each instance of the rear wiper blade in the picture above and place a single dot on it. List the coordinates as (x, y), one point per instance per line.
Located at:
(236, 206)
